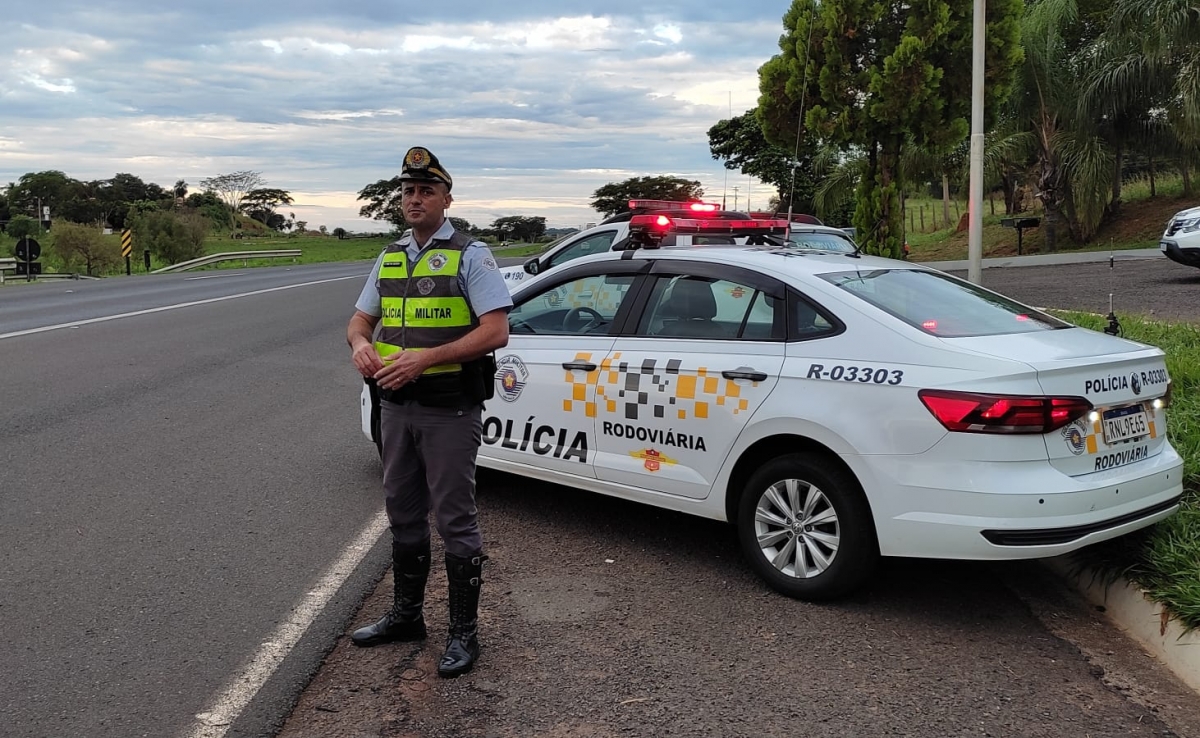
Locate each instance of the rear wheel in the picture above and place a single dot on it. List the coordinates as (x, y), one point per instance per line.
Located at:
(805, 527)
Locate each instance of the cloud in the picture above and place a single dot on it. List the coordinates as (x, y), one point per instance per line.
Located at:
(531, 104)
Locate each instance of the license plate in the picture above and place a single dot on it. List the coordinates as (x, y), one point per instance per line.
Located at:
(1162, 246)
(1125, 423)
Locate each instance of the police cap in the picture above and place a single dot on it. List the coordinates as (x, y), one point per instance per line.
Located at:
(421, 164)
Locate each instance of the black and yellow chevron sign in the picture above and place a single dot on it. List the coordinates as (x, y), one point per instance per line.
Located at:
(126, 242)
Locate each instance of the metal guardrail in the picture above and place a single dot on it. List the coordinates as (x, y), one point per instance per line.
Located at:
(203, 261)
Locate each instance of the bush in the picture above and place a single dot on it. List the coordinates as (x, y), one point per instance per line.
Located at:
(75, 244)
(21, 226)
(170, 237)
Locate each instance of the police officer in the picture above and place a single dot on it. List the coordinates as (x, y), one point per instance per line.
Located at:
(442, 305)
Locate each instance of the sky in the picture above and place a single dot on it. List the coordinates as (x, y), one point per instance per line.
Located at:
(529, 104)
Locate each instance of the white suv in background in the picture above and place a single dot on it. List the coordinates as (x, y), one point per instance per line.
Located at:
(1181, 241)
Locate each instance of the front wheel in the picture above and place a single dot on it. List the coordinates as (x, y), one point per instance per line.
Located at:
(806, 529)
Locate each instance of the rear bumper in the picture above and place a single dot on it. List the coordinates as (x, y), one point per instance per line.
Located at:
(1017, 510)
(1188, 254)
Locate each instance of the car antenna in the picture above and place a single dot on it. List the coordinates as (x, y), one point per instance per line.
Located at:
(1114, 325)
(800, 120)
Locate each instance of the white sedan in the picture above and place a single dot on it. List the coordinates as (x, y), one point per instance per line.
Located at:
(833, 407)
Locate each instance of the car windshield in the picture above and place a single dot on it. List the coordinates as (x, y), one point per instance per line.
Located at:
(821, 241)
(942, 305)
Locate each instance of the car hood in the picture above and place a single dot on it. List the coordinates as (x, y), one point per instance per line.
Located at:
(1189, 213)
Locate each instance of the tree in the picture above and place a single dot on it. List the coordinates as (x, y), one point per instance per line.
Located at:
(340, 233)
(180, 190)
(880, 74)
(614, 197)
(232, 188)
(383, 202)
(173, 238)
(521, 227)
(301, 226)
(260, 204)
(75, 244)
(461, 225)
(21, 226)
(740, 141)
(51, 188)
(323, 230)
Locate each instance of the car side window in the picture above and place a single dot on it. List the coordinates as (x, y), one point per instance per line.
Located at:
(584, 305)
(690, 306)
(806, 320)
(590, 245)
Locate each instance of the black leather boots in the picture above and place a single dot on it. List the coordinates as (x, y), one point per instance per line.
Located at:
(404, 622)
(465, 577)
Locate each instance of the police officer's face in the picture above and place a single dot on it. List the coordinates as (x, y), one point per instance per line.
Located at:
(424, 203)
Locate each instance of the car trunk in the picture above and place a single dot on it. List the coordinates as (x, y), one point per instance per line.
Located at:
(1122, 379)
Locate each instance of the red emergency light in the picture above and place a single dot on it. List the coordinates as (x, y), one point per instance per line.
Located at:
(695, 207)
(660, 225)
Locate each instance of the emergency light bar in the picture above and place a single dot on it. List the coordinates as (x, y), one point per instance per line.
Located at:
(660, 225)
(695, 207)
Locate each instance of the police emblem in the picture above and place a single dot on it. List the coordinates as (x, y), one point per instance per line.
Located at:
(1135, 384)
(511, 376)
(1076, 441)
(437, 260)
(417, 158)
(489, 263)
(425, 285)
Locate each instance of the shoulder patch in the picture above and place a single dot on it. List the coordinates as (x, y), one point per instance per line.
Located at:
(489, 263)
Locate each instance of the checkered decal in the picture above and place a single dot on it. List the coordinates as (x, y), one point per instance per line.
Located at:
(652, 390)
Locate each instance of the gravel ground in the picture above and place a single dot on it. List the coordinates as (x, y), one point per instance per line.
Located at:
(604, 618)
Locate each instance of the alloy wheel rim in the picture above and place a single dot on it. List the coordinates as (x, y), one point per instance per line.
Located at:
(797, 528)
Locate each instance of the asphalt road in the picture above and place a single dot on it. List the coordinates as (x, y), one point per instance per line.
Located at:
(174, 484)
(1155, 287)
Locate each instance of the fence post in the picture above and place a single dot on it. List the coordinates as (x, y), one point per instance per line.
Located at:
(922, 218)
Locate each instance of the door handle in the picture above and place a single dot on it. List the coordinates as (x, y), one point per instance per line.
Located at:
(583, 366)
(745, 373)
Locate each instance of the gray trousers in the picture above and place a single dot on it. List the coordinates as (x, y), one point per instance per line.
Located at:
(429, 463)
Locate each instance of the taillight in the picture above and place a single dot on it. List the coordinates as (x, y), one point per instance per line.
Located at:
(973, 412)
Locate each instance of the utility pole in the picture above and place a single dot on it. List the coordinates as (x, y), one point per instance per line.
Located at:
(735, 197)
(975, 207)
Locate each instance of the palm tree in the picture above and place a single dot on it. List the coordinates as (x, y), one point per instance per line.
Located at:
(1153, 46)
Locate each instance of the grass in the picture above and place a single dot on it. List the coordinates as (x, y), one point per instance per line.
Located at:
(1139, 225)
(1164, 559)
(314, 249)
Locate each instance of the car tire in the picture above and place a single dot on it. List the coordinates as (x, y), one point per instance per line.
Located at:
(833, 529)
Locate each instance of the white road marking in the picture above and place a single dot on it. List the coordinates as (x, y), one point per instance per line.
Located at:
(106, 318)
(221, 713)
(216, 276)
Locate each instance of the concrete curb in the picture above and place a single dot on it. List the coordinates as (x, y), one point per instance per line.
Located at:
(1127, 607)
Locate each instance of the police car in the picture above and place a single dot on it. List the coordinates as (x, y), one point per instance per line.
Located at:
(613, 235)
(833, 407)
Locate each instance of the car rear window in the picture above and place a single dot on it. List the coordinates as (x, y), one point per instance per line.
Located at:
(821, 241)
(942, 305)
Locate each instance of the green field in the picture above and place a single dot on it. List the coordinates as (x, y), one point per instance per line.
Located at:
(314, 249)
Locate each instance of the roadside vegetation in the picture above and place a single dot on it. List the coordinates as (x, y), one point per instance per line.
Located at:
(1164, 559)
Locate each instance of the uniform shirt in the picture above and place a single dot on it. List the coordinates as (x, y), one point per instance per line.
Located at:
(478, 277)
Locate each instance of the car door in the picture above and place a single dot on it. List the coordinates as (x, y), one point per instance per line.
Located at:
(706, 348)
(542, 419)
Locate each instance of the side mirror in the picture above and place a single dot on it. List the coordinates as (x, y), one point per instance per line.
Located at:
(532, 266)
